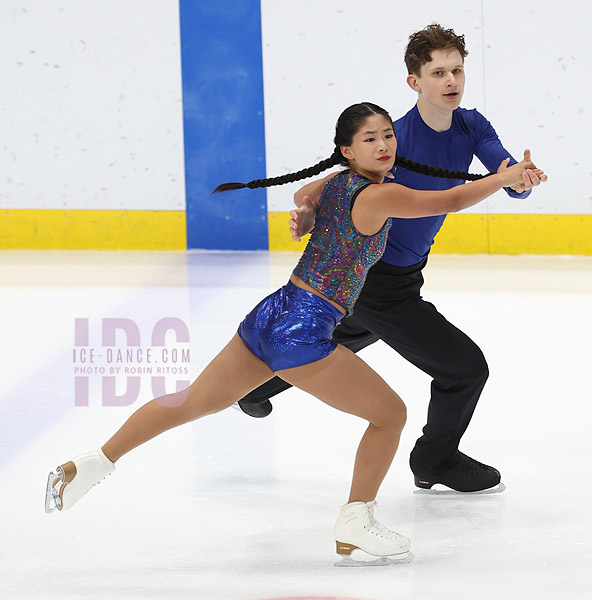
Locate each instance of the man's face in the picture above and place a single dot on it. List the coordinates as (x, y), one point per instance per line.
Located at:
(441, 82)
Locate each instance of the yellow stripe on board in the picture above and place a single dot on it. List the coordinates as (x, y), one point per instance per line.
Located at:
(92, 230)
(485, 234)
(515, 234)
(279, 233)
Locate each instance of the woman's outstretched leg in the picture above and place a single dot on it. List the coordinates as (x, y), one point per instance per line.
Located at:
(234, 371)
(211, 392)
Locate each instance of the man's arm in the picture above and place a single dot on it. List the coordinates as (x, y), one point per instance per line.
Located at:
(490, 152)
(312, 190)
(307, 200)
(302, 219)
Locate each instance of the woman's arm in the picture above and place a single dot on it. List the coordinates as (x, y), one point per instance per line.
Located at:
(378, 202)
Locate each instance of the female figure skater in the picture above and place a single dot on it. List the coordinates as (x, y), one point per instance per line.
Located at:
(289, 332)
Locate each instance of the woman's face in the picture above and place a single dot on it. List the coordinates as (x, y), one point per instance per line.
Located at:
(373, 149)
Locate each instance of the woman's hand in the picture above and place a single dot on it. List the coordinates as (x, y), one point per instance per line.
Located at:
(523, 175)
(529, 178)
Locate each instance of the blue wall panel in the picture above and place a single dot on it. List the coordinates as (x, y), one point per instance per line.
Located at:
(223, 122)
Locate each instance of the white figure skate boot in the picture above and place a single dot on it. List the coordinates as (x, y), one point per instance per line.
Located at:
(73, 479)
(357, 529)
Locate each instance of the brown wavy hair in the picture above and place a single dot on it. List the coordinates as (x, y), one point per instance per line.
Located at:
(423, 43)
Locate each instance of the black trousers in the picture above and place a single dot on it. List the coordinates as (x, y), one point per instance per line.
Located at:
(391, 308)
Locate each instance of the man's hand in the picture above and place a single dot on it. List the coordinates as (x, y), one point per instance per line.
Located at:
(303, 219)
(530, 177)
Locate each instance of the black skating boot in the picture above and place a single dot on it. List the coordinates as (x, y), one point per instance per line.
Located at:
(258, 409)
(465, 474)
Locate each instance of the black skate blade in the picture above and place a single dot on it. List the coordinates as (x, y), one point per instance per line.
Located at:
(380, 561)
(446, 491)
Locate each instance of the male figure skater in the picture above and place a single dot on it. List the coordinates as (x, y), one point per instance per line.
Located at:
(435, 132)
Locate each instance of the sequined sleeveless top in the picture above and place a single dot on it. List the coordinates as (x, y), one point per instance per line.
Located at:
(337, 257)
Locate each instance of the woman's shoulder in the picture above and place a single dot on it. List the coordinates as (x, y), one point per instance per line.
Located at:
(345, 186)
(348, 179)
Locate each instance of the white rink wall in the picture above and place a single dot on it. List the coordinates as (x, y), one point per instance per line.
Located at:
(91, 100)
(526, 72)
(91, 105)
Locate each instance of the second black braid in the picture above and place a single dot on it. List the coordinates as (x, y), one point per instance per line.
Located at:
(416, 167)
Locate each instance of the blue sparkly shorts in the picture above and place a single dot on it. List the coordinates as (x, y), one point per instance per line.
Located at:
(290, 328)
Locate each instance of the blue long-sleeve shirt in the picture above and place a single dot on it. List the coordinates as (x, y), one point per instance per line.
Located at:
(470, 134)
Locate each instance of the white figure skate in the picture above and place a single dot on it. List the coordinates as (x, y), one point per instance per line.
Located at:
(357, 529)
(73, 479)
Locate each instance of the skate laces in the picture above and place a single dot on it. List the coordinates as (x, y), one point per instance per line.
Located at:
(375, 526)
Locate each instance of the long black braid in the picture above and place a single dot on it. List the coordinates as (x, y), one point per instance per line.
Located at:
(334, 160)
(347, 125)
(416, 167)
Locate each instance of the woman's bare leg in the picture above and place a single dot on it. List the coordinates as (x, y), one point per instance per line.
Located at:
(234, 372)
(346, 382)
